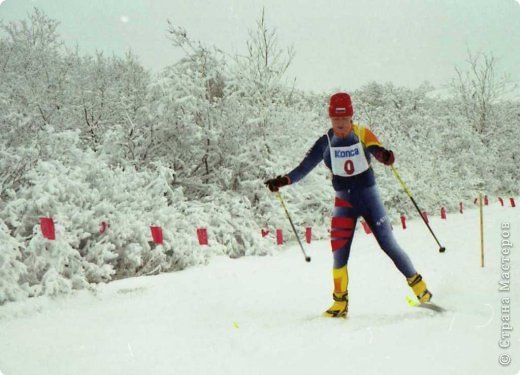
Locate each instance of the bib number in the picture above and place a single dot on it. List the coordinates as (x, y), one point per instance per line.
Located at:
(349, 167)
(348, 161)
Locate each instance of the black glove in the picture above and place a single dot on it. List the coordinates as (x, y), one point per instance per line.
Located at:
(275, 183)
(385, 156)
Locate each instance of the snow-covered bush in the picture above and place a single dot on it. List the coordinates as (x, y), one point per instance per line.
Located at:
(82, 191)
(12, 270)
(437, 150)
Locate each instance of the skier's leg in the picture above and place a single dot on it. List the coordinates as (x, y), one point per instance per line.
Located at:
(342, 231)
(376, 217)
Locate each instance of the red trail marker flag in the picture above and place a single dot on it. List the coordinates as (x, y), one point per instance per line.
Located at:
(47, 228)
(157, 235)
(202, 235)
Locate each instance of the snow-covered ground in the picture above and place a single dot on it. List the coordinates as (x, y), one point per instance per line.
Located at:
(261, 315)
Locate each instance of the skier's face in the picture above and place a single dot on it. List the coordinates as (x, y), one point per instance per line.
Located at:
(341, 125)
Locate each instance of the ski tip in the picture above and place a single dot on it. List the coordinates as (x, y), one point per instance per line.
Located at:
(411, 302)
(426, 305)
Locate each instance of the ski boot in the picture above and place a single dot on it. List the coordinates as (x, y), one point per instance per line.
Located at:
(339, 308)
(419, 288)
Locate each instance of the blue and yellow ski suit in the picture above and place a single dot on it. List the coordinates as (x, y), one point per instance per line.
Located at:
(357, 195)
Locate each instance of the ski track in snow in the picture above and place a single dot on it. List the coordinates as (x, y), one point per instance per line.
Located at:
(261, 315)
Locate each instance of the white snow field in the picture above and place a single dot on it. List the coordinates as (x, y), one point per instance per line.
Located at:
(261, 315)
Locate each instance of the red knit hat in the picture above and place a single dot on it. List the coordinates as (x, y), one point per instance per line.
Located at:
(340, 105)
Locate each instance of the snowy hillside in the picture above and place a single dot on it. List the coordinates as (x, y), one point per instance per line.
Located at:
(261, 315)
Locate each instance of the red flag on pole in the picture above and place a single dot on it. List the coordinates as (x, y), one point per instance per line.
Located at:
(486, 201)
(403, 221)
(366, 227)
(202, 235)
(443, 213)
(425, 215)
(501, 201)
(157, 235)
(103, 227)
(264, 232)
(279, 237)
(47, 228)
(461, 207)
(308, 234)
(512, 201)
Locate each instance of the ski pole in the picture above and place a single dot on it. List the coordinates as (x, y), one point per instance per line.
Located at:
(442, 249)
(279, 196)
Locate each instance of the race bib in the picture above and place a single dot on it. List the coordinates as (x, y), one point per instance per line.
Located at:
(348, 161)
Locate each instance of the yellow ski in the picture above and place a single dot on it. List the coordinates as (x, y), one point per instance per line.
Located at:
(426, 305)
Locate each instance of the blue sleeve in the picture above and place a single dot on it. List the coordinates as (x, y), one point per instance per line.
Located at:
(311, 160)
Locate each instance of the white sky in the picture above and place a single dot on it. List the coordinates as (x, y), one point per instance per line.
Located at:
(338, 43)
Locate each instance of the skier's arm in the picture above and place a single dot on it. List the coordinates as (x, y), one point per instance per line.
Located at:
(375, 147)
(311, 160)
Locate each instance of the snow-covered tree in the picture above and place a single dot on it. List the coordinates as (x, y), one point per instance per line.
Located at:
(12, 270)
(478, 87)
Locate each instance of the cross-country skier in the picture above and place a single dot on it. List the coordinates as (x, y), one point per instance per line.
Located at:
(346, 149)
